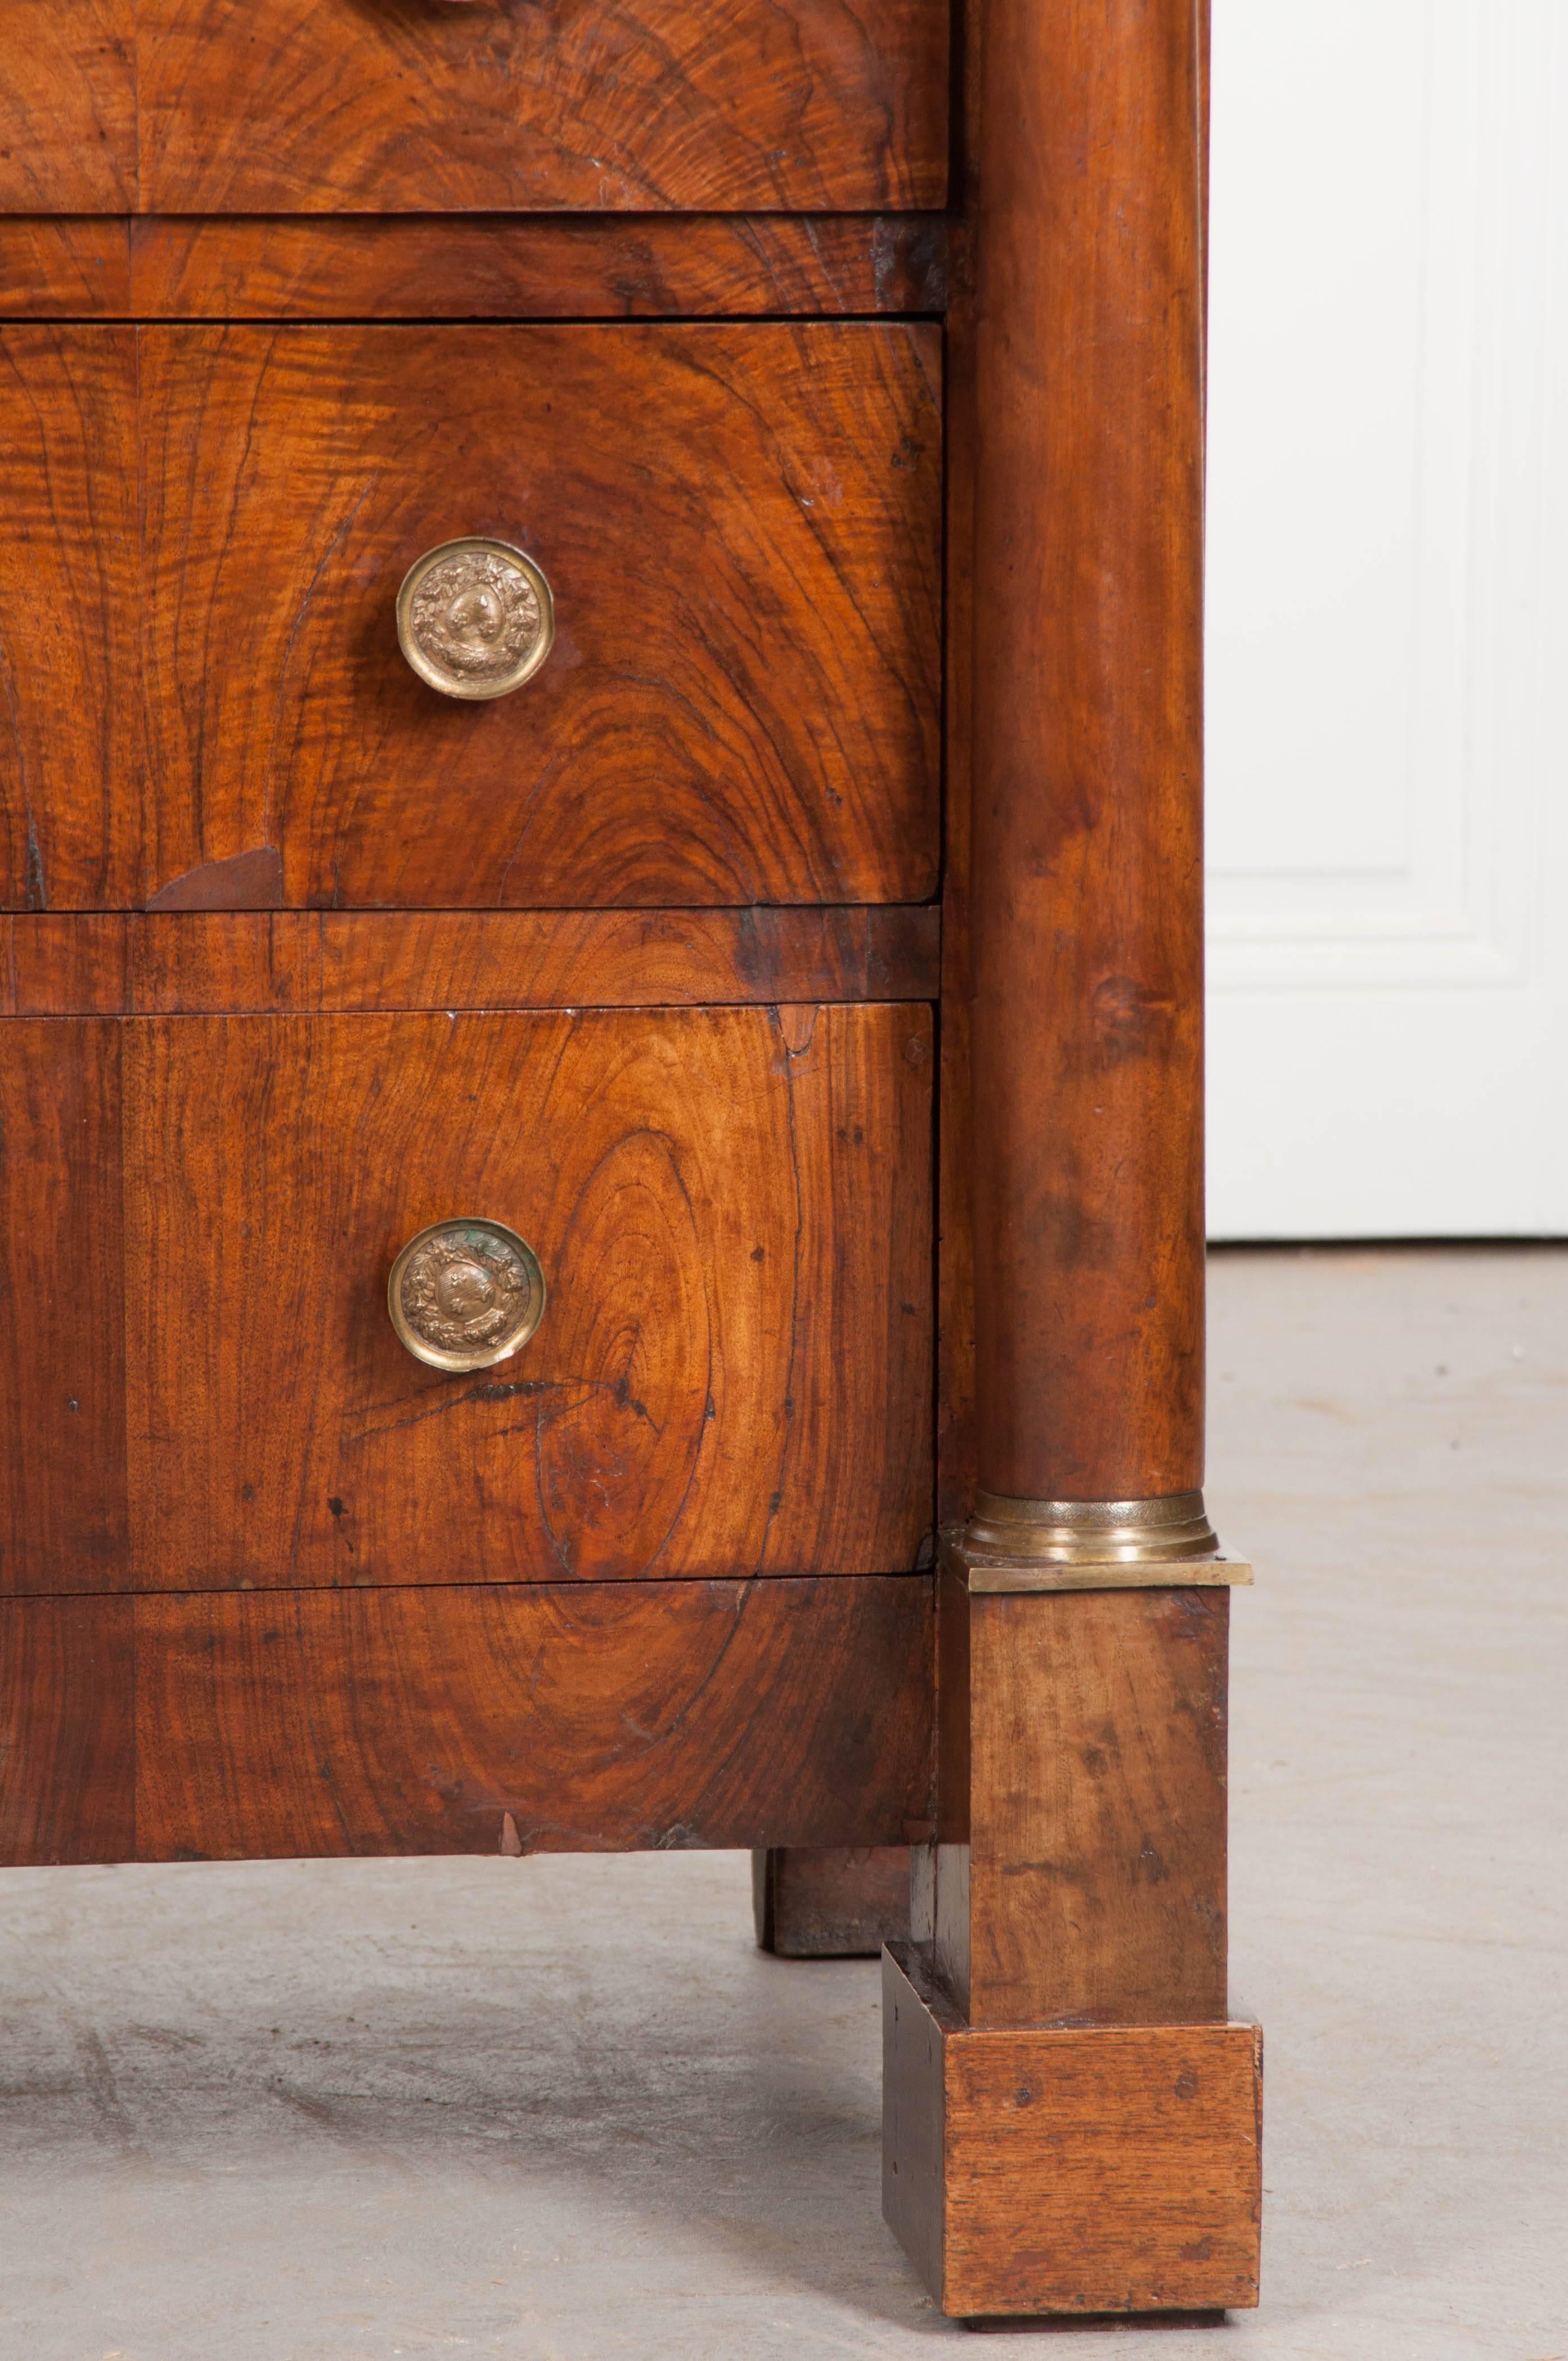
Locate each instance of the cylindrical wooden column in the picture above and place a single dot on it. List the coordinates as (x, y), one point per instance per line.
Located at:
(1087, 678)
(1070, 1915)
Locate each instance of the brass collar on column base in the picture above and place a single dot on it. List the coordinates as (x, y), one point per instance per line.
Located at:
(1014, 1545)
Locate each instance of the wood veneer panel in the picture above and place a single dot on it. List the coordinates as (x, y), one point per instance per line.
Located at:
(625, 959)
(496, 267)
(71, 736)
(67, 1731)
(703, 106)
(65, 964)
(733, 1213)
(566, 1717)
(75, 267)
(742, 528)
(233, 961)
(68, 110)
(62, 1438)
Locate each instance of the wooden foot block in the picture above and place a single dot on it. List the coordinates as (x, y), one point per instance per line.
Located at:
(1076, 2169)
(831, 1901)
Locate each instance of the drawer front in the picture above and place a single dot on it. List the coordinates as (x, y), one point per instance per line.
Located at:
(560, 1716)
(732, 1210)
(211, 106)
(740, 525)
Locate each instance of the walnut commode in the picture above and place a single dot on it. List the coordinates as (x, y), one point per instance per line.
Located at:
(600, 839)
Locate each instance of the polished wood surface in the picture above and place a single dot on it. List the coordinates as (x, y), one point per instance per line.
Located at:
(71, 267)
(742, 700)
(829, 1902)
(1095, 2170)
(73, 758)
(1081, 1857)
(63, 1513)
(202, 106)
(732, 1213)
(240, 961)
(68, 107)
(955, 1123)
(732, 1209)
(477, 266)
(1088, 923)
(572, 1717)
(701, 105)
(68, 1746)
(539, 268)
(741, 527)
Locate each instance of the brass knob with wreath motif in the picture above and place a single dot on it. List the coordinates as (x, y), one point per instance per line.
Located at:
(466, 1293)
(476, 618)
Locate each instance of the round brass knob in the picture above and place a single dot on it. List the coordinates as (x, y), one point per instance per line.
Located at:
(475, 617)
(464, 1294)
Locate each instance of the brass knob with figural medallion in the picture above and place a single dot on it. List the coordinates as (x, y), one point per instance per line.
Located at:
(464, 1294)
(475, 617)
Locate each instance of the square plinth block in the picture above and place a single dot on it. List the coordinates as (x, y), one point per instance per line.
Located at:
(1076, 2169)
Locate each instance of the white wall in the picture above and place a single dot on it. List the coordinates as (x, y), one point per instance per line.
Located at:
(1388, 619)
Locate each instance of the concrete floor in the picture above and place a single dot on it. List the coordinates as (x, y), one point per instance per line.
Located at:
(561, 2108)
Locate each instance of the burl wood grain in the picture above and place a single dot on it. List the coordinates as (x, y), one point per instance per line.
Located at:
(567, 1718)
(1087, 933)
(1096, 2170)
(1081, 1864)
(62, 1352)
(68, 107)
(240, 961)
(71, 762)
(531, 267)
(741, 527)
(702, 105)
(732, 1208)
(72, 266)
(742, 704)
(470, 265)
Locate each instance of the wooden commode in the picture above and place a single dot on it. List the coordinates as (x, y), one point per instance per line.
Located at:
(600, 1012)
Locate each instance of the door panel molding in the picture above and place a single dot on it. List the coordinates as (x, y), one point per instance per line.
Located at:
(1386, 617)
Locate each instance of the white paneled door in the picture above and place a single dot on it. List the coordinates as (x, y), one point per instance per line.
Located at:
(1389, 620)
